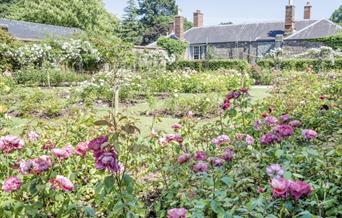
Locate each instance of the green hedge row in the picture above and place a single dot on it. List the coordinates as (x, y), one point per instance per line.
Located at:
(242, 65)
(302, 64)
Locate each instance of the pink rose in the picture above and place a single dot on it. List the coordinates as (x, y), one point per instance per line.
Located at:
(10, 143)
(217, 162)
(280, 187)
(309, 134)
(284, 131)
(176, 126)
(295, 123)
(176, 213)
(63, 153)
(11, 184)
(220, 140)
(249, 140)
(96, 144)
(184, 158)
(82, 148)
(270, 120)
(33, 136)
(299, 189)
(61, 183)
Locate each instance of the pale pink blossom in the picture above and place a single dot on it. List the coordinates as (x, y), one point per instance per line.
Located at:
(33, 136)
(81, 148)
(176, 213)
(10, 143)
(184, 158)
(61, 183)
(11, 184)
(309, 134)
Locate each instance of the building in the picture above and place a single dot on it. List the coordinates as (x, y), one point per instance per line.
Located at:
(253, 40)
(28, 31)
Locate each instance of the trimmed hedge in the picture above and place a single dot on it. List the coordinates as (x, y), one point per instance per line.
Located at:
(265, 64)
(302, 64)
(240, 65)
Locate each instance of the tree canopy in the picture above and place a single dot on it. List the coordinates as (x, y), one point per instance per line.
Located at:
(155, 17)
(337, 15)
(88, 15)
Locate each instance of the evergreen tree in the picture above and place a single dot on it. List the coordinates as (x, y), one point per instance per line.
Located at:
(337, 15)
(131, 28)
(155, 17)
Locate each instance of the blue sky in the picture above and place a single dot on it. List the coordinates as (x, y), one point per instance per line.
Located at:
(241, 11)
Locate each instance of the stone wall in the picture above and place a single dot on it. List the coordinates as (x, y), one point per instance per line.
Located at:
(299, 46)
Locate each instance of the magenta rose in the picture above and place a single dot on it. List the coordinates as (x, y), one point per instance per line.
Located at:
(271, 120)
(176, 213)
(176, 126)
(96, 144)
(107, 160)
(200, 155)
(61, 183)
(217, 162)
(299, 189)
(200, 167)
(11, 184)
(228, 154)
(284, 131)
(295, 123)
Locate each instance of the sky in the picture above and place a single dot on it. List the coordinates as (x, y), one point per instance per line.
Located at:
(241, 11)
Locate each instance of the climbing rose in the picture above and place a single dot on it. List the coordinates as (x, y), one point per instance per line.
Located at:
(107, 160)
(270, 120)
(10, 143)
(11, 184)
(228, 154)
(200, 167)
(33, 136)
(275, 171)
(279, 187)
(82, 148)
(295, 123)
(176, 213)
(299, 189)
(61, 183)
(63, 153)
(309, 134)
(176, 126)
(284, 131)
(184, 158)
(96, 144)
(200, 155)
(220, 140)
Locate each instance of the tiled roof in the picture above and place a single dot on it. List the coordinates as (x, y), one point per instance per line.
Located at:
(258, 31)
(35, 31)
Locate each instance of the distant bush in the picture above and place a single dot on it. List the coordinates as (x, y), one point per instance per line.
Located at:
(239, 65)
(47, 75)
(173, 46)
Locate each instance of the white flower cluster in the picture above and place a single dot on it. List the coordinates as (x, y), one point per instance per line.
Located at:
(154, 58)
(33, 53)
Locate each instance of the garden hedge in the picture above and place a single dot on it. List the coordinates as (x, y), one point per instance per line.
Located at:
(240, 65)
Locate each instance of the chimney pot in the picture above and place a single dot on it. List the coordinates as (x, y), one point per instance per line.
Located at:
(290, 26)
(307, 11)
(179, 27)
(198, 18)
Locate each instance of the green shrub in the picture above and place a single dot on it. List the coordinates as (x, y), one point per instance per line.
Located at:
(173, 46)
(239, 65)
(42, 77)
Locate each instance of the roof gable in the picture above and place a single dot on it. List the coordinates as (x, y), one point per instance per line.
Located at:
(35, 31)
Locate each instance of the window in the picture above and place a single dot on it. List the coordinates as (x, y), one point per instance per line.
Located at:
(199, 52)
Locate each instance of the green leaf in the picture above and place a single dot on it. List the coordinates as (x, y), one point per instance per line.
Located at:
(215, 206)
(288, 175)
(109, 182)
(279, 153)
(227, 180)
(89, 212)
(103, 123)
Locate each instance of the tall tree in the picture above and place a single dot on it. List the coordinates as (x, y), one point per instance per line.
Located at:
(131, 29)
(155, 17)
(88, 15)
(337, 15)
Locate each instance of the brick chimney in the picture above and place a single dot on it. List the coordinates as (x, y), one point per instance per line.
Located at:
(171, 27)
(290, 18)
(198, 19)
(307, 11)
(179, 26)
